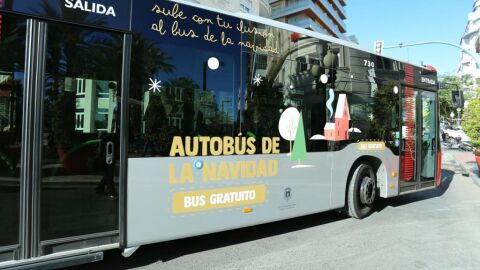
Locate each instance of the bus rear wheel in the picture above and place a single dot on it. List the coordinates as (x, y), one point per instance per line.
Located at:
(362, 191)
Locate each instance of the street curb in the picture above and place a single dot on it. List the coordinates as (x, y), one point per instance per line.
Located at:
(470, 171)
(465, 171)
(475, 174)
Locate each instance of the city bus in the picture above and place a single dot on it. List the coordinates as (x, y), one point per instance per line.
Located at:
(125, 123)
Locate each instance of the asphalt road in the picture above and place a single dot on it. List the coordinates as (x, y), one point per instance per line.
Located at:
(436, 229)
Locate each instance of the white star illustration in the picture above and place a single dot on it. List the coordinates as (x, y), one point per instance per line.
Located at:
(155, 85)
(257, 80)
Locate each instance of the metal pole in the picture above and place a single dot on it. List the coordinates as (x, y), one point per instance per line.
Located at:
(458, 120)
(472, 54)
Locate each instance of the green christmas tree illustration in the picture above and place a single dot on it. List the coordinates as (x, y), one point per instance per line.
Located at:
(299, 151)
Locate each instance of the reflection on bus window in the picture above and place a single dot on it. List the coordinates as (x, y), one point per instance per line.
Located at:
(81, 104)
(12, 59)
(7, 102)
(95, 104)
(197, 99)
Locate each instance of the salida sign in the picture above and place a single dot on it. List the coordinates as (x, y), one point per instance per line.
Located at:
(113, 14)
(90, 7)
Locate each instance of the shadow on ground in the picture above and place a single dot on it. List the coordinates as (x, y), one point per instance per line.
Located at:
(170, 250)
(446, 180)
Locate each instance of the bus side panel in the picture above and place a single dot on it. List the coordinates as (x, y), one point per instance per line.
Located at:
(171, 198)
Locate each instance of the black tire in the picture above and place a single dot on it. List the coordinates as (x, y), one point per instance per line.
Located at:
(362, 191)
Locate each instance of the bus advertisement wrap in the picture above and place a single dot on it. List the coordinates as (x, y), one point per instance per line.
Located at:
(196, 190)
(157, 120)
(246, 143)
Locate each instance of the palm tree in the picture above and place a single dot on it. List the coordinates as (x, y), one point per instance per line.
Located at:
(65, 48)
(147, 60)
(189, 88)
(68, 54)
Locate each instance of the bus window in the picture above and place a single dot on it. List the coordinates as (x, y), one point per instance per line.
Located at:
(80, 132)
(376, 117)
(175, 99)
(12, 52)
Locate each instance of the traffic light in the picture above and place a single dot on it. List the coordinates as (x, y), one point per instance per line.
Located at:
(457, 99)
(378, 47)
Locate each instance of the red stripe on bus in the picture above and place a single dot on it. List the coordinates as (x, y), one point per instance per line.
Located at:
(408, 159)
(439, 167)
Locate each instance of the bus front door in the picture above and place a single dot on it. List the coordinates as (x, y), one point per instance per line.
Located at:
(12, 59)
(429, 139)
(80, 153)
(419, 140)
(59, 138)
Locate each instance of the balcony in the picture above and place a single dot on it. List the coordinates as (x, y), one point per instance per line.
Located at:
(265, 2)
(308, 23)
(303, 6)
(472, 31)
(334, 14)
(474, 16)
(265, 9)
(340, 8)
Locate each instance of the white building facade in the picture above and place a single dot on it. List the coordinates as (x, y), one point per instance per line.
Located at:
(254, 7)
(471, 41)
(323, 16)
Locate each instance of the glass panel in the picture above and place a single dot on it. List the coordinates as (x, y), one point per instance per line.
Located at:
(12, 58)
(374, 100)
(376, 115)
(180, 89)
(80, 123)
(429, 129)
(276, 70)
(285, 85)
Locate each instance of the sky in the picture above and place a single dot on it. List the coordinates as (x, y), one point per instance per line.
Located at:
(411, 21)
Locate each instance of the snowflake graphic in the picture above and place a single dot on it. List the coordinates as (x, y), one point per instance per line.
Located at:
(155, 85)
(257, 80)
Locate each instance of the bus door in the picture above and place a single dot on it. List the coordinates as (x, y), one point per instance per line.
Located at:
(80, 139)
(59, 137)
(12, 60)
(419, 140)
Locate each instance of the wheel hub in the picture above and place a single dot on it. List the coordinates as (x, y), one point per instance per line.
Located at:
(367, 190)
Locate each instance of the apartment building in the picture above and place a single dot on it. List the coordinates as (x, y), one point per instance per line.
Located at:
(324, 16)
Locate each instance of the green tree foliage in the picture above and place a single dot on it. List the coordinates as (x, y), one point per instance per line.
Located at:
(445, 103)
(385, 113)
(471, 121)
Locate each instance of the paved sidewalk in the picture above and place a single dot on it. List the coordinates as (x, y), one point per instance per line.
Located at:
(474, 172)
(463, 161)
